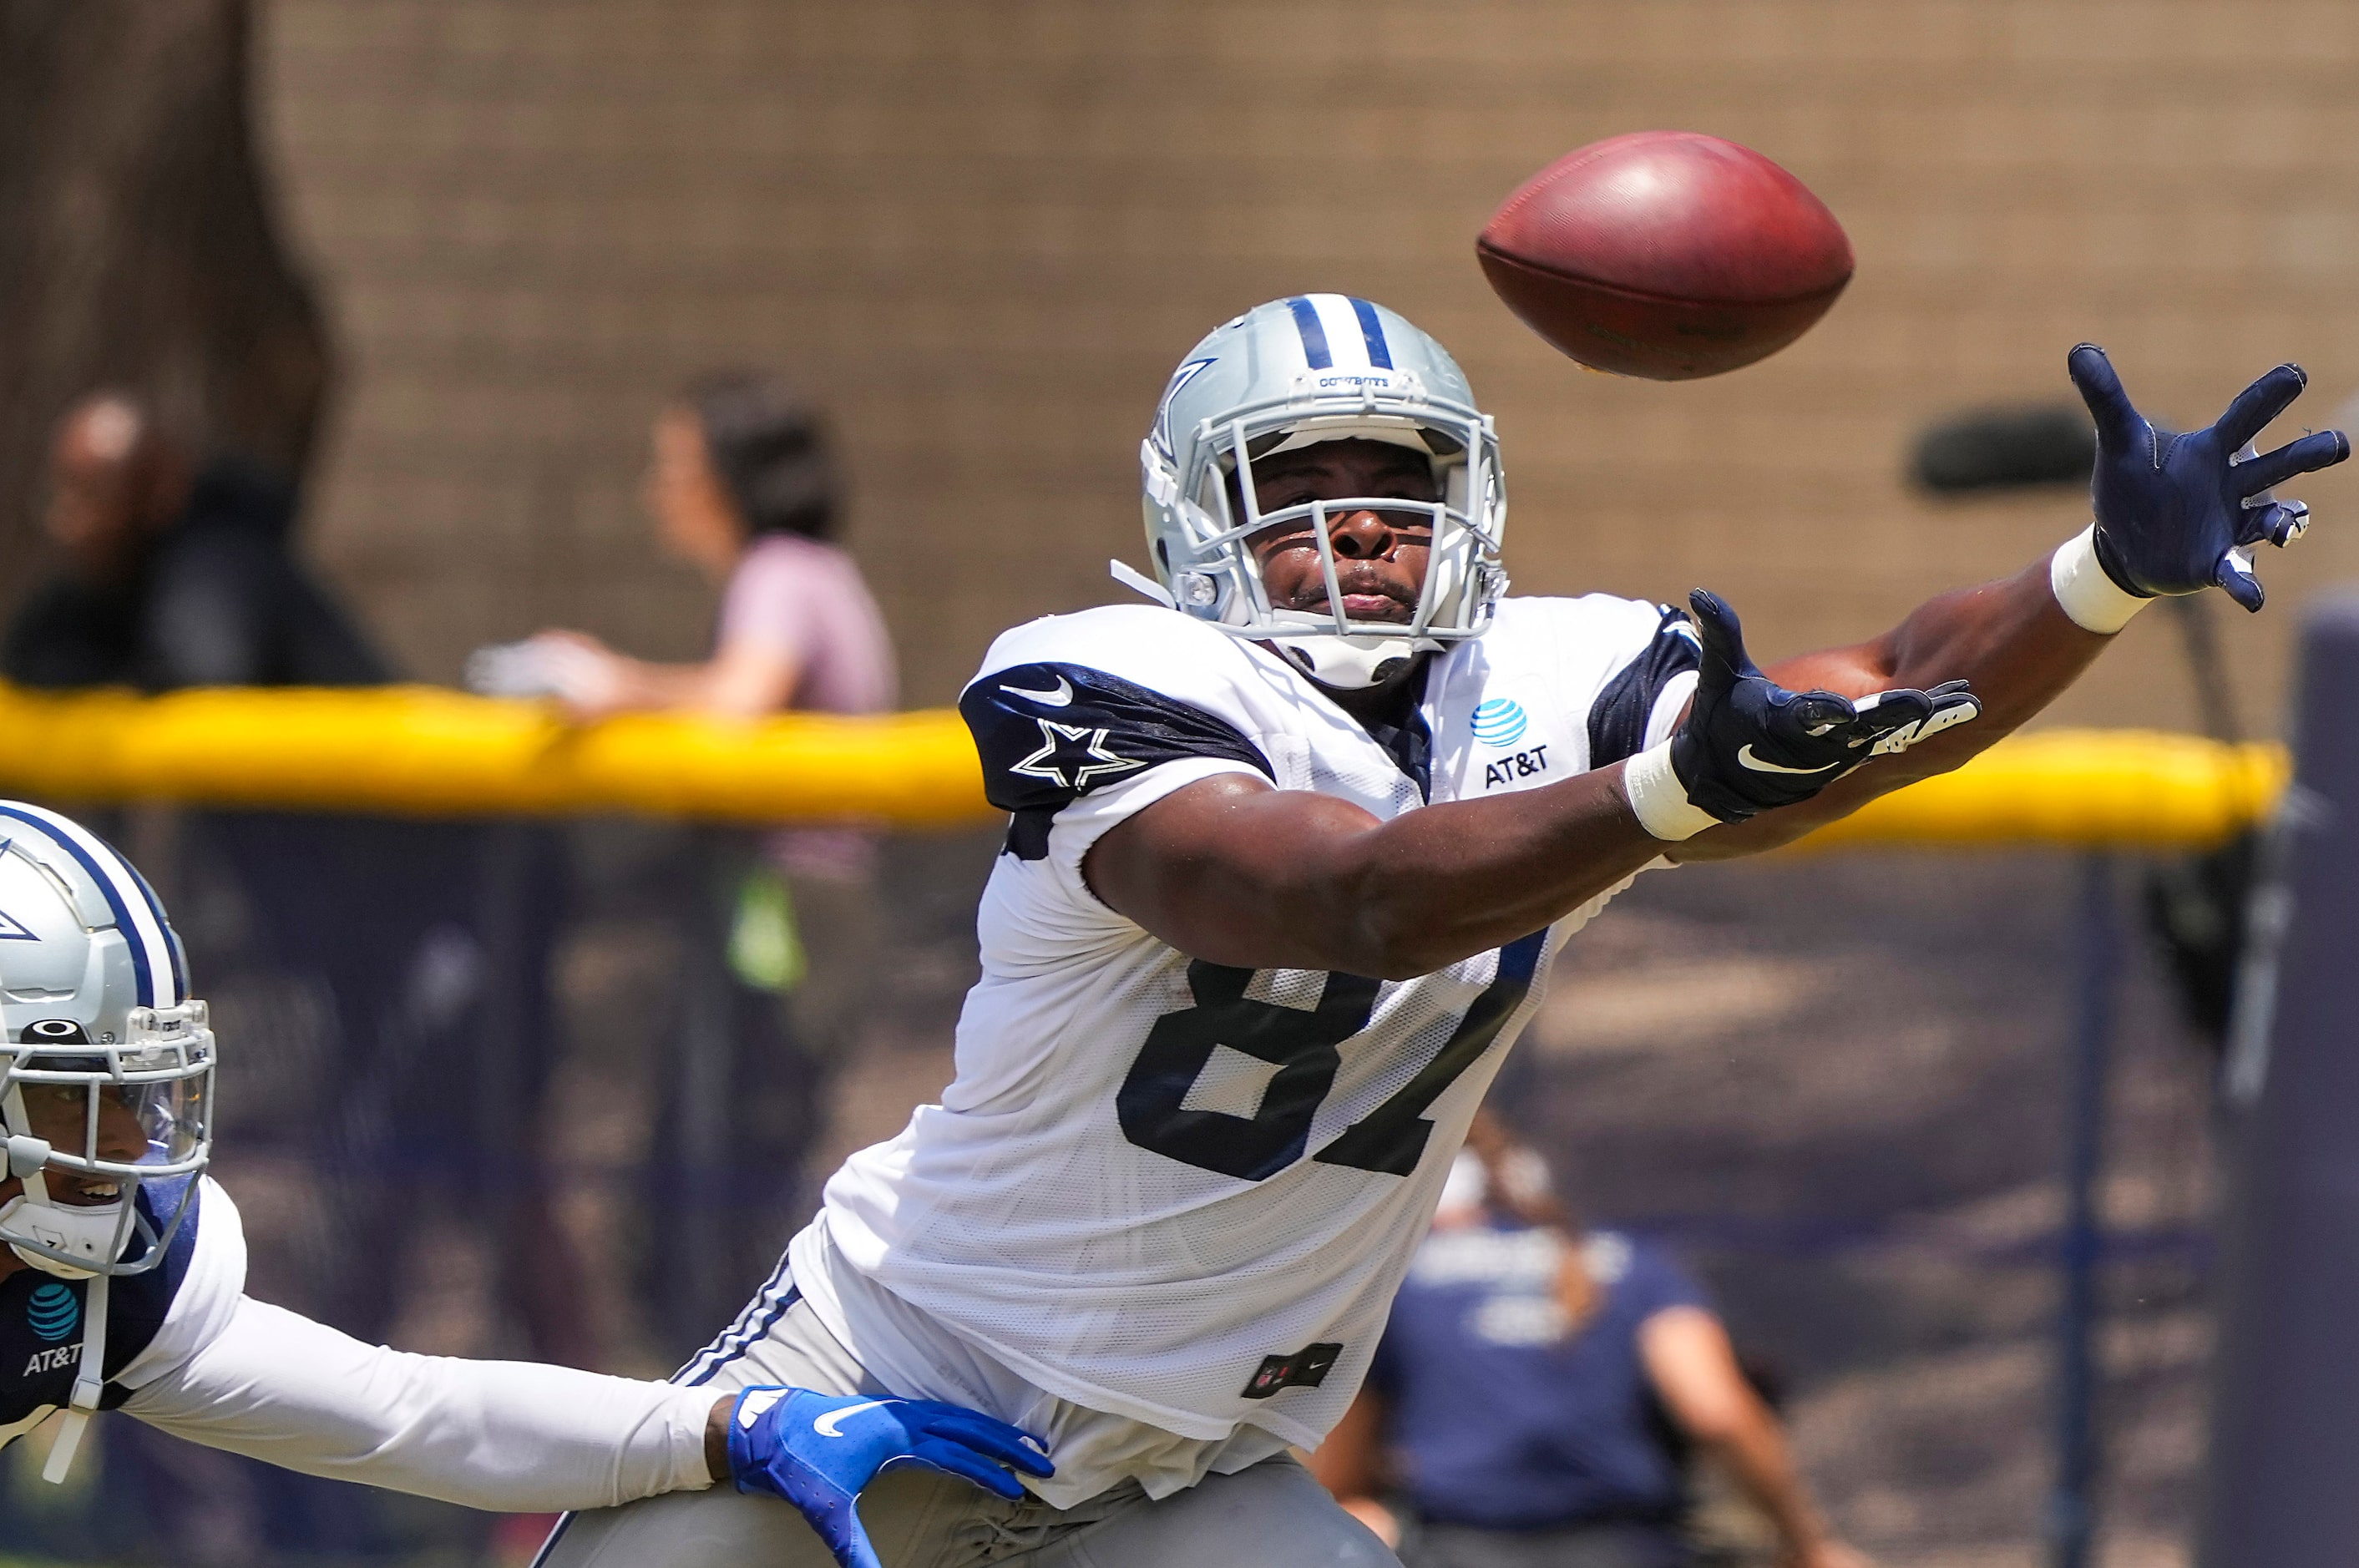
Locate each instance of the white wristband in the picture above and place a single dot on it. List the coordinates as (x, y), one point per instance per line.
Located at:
(2090, 599)
(1659, 799)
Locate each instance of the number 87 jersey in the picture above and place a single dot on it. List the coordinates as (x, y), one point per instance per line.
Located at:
(1176, 1191)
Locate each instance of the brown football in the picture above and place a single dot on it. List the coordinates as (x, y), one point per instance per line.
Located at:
(1668, 254)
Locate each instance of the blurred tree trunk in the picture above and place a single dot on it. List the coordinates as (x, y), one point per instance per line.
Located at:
(139, 242)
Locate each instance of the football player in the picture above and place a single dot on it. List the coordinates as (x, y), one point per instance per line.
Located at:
(123, 1272)
(1290, 851)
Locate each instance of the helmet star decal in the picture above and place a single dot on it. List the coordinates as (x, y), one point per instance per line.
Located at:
(1073, 756)
(14, 930)
(1162, 434)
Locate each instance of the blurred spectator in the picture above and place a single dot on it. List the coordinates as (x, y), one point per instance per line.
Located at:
(431, 938)
(176, 574)
(1540, 1394)
(742, 484)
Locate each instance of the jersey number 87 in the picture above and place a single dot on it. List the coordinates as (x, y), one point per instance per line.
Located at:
(1302, 1045)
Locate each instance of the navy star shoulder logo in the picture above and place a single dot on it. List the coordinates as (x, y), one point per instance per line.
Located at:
(1074, 755)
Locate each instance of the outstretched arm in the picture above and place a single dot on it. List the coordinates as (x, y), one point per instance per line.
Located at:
(509, 1436)
(1229, 870)
(517, 1437)
(2010, 640)
(2175, 514)
(1232, 871)
(746, 678)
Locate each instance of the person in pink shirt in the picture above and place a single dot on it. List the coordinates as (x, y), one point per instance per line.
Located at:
(743, 484)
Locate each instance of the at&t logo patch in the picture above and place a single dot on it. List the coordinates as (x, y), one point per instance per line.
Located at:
(54, 1312)
(1500, 722)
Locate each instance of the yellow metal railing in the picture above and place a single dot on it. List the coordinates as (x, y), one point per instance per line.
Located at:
(2096, 789)
(425, 751)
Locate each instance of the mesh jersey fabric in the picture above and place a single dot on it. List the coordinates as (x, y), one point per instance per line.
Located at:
(1161, 1188)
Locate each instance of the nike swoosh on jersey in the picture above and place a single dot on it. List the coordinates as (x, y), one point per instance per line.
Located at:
(1745, 756)
(1057, 696)
(827, 1424)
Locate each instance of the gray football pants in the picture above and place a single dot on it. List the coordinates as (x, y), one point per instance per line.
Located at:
(1272, 1515)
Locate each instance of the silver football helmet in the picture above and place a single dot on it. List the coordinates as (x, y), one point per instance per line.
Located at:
(1319, 368)
(106, 1065)
(107, 1069)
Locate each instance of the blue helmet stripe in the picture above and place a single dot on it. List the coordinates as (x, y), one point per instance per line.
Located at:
(1314, 333)
(126, 899)
(1372, 329)
(164, 924)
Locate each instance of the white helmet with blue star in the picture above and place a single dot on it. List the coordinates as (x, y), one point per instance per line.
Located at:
(1319, 368)
(105, 1062)
(107, 1069)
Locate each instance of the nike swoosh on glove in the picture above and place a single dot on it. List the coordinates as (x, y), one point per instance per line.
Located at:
(2178, 514)
(816, 1451)
(1749, 745)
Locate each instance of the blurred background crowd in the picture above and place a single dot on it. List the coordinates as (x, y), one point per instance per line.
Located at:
(753, 355)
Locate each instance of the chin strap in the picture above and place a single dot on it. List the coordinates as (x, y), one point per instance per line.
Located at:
(89, 1384)
(26, 1156)
(1341, 664)
(1130, 577)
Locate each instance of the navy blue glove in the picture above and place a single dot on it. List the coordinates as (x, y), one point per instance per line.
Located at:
(1749, 745)
(2175, 513)
(818, 1450)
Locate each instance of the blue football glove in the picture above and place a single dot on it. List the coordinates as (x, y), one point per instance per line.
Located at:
(2176, 514)
(818, 1450)
(1750, 745)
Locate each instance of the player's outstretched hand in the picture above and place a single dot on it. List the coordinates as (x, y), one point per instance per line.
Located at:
(2178, 514)
(816, 1451)
(1750, 745)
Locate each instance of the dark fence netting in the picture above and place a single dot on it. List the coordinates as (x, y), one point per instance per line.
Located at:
(500, 1089)
(523, 1089)
(1842, 1087)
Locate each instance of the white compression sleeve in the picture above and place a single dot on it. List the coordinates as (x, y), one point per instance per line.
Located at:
(509, 1436)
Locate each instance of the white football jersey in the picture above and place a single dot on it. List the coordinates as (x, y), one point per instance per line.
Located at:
(1184, 1193)
(154, 1320)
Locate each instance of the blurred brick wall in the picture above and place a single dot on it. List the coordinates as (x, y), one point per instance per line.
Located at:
(984, 233)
